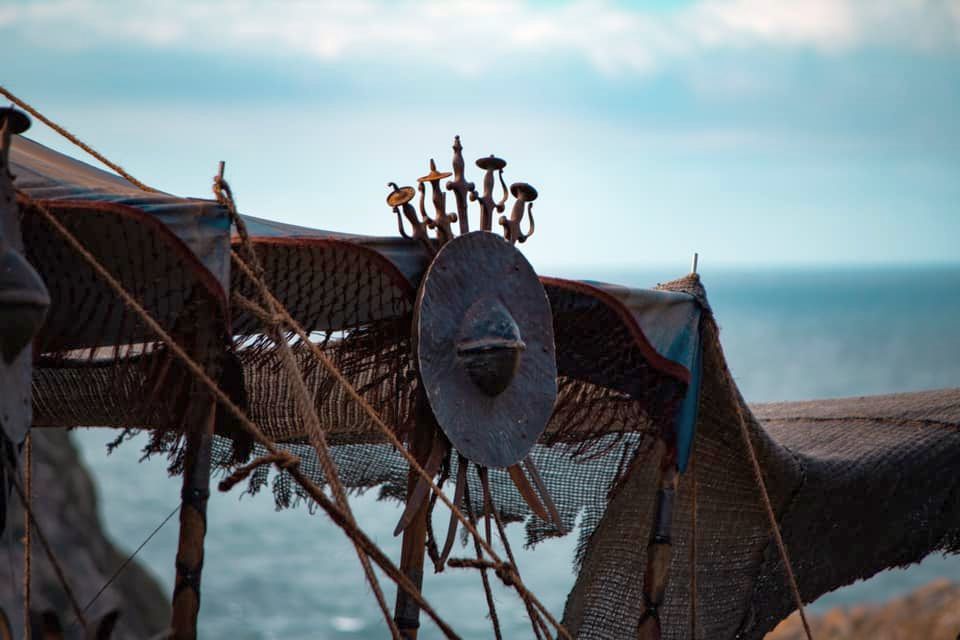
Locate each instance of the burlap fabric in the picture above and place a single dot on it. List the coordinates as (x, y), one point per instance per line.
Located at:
(858, 485)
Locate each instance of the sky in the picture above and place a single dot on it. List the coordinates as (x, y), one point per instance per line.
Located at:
(754, 132)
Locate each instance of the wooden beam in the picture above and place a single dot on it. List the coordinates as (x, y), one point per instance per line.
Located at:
(659, 549)
(193, 517)
(406, 612)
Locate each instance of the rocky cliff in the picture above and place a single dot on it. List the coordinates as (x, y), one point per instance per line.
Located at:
(65, 504)
(929, 613)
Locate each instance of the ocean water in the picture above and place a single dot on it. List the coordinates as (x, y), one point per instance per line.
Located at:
(789, 334)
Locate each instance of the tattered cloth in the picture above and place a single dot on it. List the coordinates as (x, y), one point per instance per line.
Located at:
(624, 356)
(633, 365)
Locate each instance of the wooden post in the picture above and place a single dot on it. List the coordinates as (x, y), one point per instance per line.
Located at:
(406, 612)
(659, 549)
(193, 517)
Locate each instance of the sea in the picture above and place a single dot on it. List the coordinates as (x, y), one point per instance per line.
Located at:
(789, 334)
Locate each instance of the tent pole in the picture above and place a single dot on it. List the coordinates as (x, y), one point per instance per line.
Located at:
(406, 612)
(659, 549)
(193, 519)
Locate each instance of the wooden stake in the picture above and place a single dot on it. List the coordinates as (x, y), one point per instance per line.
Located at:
(659, 549)
(406, 612)
(193, 518)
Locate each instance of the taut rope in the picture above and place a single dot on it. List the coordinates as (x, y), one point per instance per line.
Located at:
(315, 492)
(392, 438)
(768, 506)
(57, 568)
(335, 513)
(305, 402)
(75, 140)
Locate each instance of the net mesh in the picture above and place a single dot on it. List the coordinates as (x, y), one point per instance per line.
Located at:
(358, 309)
(96, 363)
(595, 456)
(850, 483)
(611, 401)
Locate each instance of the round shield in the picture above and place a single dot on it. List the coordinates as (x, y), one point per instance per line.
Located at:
(484, 343)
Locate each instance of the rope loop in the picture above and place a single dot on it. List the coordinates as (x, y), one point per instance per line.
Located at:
(283, 459)
(339, 509)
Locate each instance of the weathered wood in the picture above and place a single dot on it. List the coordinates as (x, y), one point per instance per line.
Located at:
(659, 549)
(193, 517)
(527, 492)
(407, 612)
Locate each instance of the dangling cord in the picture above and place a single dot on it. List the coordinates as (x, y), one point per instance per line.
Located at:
(693, 549)
(42, 539)
(774, 526)
(27, 507)
(535, 620)
(488, 592)
(487, 501)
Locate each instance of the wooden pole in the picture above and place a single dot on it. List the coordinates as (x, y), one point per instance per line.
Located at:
(193, 517)
(407, 613)
(659, 549)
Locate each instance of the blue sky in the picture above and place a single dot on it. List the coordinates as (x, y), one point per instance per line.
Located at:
(752, 131)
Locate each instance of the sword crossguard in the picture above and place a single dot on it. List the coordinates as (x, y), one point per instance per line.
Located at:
(399, 199)
(525, 194)
(460, 187)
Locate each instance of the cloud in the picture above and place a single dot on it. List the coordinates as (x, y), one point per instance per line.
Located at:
(468, 36)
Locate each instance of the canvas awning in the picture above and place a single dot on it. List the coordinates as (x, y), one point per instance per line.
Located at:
(166, 247)
(632, 364)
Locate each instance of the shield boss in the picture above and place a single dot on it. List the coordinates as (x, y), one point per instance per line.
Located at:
(484, 342)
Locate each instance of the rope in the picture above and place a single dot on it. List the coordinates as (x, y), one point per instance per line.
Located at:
(392, 438)
(130, 558)
(302, 395)
(75, 140)
(491, 509)
(487, 592)
(254, 272)
(197, 370)
(28, 483)
(315, 492)
(61, 577)
(768, 506)
(284, 461)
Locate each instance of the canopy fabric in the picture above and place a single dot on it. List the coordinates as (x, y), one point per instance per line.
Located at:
(170, 252)
(857, 485)
(355, 291)
(634, 365)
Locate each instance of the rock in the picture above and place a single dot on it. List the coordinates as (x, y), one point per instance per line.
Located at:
(65, 506)
(931, 612)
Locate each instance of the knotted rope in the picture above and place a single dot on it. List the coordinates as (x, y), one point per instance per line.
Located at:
(487, 592)
(391, 437)
(314, 491)
(272, 323)
(283, 461)
(334, 512)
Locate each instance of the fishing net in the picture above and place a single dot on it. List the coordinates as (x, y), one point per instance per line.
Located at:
(358, 309)
(830, 484)
(851, 475)
(96, 363)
